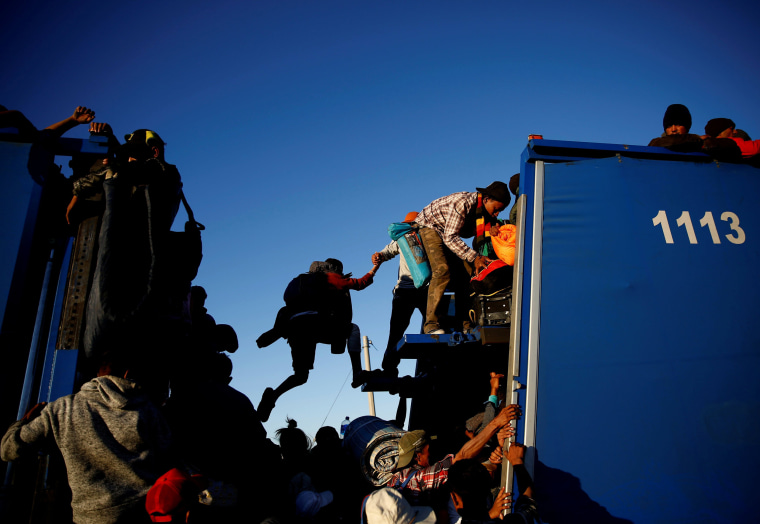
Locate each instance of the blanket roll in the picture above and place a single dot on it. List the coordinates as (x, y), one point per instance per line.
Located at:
(373, 442)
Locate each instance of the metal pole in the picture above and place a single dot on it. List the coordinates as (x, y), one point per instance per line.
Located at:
(30, 375)
(31, 363)
(368, 367)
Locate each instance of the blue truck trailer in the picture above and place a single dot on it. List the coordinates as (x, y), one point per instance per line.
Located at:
(634, 346)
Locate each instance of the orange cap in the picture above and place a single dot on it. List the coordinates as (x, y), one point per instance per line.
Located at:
(410, 216)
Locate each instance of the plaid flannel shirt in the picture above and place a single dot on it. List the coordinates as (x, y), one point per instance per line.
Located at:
(447, 215)
(423, 479)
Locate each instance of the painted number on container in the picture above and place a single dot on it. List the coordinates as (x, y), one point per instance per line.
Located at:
(736, 236)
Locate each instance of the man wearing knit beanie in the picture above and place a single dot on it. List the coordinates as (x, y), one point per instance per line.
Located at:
(676, 125)
(724, 128)
(718, 140)
(677, 120)
(720, 128)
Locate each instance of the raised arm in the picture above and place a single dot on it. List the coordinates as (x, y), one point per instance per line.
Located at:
(81, 115)
(515, 456)
(475, 445)
(357, 284)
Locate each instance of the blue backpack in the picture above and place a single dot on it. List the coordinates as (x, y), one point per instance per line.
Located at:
(410, 245)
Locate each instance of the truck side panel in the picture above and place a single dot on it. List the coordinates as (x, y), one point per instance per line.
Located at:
(647, 401)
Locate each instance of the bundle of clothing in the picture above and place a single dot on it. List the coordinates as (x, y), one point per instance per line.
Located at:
(374, 443)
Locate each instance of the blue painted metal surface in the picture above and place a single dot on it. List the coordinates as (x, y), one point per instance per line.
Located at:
(647, 401)
(30, 273)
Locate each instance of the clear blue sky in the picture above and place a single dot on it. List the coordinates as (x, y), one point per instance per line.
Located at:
(302, 129)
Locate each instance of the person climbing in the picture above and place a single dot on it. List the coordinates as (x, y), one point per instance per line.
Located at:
(318, 310)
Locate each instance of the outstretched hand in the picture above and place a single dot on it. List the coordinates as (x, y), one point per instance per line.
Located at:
(516, 453)
(83, 115)
(505, 434)
(502, 503)
(495, 377)
(100, 128)
(481, 263)
(496, 456)
(509, 413)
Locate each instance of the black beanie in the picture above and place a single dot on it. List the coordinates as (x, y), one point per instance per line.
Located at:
(677, 115)
(717, 125)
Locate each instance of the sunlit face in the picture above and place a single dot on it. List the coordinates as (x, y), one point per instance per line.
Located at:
(493, 207)
(423, 456)
(676, 130)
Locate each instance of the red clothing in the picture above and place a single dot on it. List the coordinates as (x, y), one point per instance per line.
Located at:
(748, 147)
(344, 284)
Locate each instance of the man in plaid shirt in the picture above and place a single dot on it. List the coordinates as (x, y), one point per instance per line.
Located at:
(445, 222)
(418, 479)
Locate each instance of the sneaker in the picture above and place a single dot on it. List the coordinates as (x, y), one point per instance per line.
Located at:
(438, 331)
(266, 405)
(267, 339)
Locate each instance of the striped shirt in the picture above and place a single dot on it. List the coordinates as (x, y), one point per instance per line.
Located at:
(453, 217)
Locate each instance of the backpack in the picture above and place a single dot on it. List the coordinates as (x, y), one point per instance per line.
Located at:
(410, 245)
(306, 292)
(310, 292)
(182, 257)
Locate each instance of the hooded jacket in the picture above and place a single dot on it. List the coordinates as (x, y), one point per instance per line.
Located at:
(114, 442)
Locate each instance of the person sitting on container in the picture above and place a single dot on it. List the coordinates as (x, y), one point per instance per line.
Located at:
(417, 478)
(725, 128)
(718, 140)
(318, 310)
(470, 485)
(444, 223)
(406, 299)
(676, 137)
(740, 133)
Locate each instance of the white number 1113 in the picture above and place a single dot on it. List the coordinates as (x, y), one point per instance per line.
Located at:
(736, 236)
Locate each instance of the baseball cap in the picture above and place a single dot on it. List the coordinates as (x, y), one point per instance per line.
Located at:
(408, 445)
(171, 496)
(410, 216)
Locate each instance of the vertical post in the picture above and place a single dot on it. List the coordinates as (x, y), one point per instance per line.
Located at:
(39, 339)
(513, 370)
(534, 321)
(368, 367)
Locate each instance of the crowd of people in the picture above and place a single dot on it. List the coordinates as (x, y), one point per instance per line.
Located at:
(158, 434)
